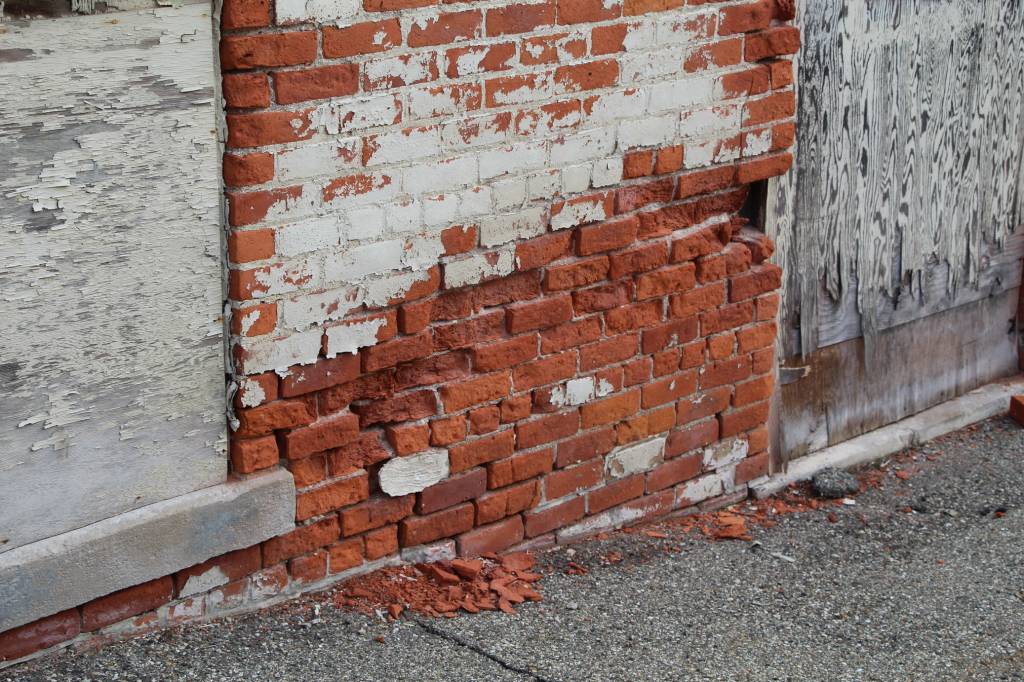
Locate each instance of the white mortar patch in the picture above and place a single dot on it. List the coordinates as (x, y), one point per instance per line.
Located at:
(635, 458)
(404, 475)
(204, 582)
(725, 453)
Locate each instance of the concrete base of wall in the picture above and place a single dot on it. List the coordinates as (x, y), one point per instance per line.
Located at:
(61, 572)
(981, 403)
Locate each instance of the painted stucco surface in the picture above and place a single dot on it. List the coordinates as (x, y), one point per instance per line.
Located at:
(111, 355)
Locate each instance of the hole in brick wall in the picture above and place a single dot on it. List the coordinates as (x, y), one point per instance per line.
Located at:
(754, 208)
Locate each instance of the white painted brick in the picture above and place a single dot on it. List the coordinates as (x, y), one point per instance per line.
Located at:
(698, 489)
(475, 131)
(709, 121)
(366, 222)
(501, 229)
(688, 29)
(351, 336)
(725, 453)
(575, 179)
(728, 150)
(508, 194)
(267, 353)
(640, 35)
(479, 266)
(757, 143)
(308, 235)
(614, 106)
(422, 253)
(355, 264)
(635, 458)
(580, 391)
(378, 292)
(404, 215)
(341, 115)
(408, 68)
(607, 172)
(437, 176)
(316, 308)
(317, 160)
(639, 66)
(302, 11)
(539, 88)
(578, 213)
(360, 189)
(699, 154)
(284, 278)
(645, 132)
(512, 160)
(440, 210)
(543, 185)
(675, 95)
(411, 474)
(445, 100)
(475, 201)
(402, 145)
(587, 145)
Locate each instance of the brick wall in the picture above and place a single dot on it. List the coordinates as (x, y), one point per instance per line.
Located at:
(488, 278)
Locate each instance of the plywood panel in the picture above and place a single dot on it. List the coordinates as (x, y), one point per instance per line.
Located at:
(111, 356)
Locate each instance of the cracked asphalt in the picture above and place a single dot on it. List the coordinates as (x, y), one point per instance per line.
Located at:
(920, 579)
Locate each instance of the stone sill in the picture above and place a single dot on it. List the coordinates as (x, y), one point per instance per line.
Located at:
(58, 573)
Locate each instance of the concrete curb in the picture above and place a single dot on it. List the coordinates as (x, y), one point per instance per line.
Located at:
(981, 403)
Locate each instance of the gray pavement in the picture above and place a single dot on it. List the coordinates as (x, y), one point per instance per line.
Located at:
(922, 579)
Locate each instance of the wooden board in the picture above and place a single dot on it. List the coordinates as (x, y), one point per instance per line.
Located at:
(111, 356)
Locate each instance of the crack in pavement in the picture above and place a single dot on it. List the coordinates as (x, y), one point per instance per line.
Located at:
(455, 639)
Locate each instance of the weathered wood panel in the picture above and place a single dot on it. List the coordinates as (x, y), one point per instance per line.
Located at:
(111, 355)
(910, 148)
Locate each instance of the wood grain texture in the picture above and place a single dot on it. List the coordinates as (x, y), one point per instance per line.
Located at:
(909, 182)
(111, 357)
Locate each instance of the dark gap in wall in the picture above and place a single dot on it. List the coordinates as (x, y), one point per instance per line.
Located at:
(754, 207)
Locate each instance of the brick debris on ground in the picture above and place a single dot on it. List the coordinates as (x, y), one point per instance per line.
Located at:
(917, 577)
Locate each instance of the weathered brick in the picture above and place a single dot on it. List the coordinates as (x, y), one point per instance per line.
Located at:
(494, 537)
(458, 396)
(546, 429)
(452, 491)
(419, 530)
(482, 450)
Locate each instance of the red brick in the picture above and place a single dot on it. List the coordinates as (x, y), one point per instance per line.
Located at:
(458, 396)
(702, 182)
(608, 352)
(495, 537)
(302, 540)
(381, 542)
(577, 274)
(666, 281)
(39, 634)
(614, 494)
(670, 389)
(484, 419)
(254, 454)
(323, 374)
(638, 260)
(270, 127)
(248, 208)
(546, 429)
(481, 451)
(515, 408)
(309, 568)
(320, 83)
(551, 518)
(753, 16)
(744, 419)
(669, 334)
(725, 372)
(418, 530)
(752, 81)
(521, 286)
(666, 361)
(586, 11)
(701, 242)
(543, 250)
(371, 36)
(707, 297)
(506, 502)
(669, 160)
(346, 554)
(637, 196)
(308, 471)
(246, 91)
(367, 386)
(762, 361)
(541, 314)
(255, 320)
(365, 451)
(607, 236)
(691, 438)
(495, 57)
(729, 317)
(586, 446)
(757, 439)
(445, 28)
(467, 333)
(251, 245)
(605, 297)
(278, 49)
(637, 7)
(632, 317)
(327, 433)
(610, 410)
(637, 164)
(408, 439)
(452, 491)
(459, 239)
(375, 513)
(570, 335)
(405, 349)
(448, 430)
(708, 403)
(245, 14)
(637, 372)
(756, 337)
(761, 169)
(330, 496)
(518, 468)
(519, 18)
(437, 369)
(751, 468)
(754, 390)
(545, 371)
(407, 407)
(505, 354)
(675, 471)
(608, 39)
(248, 169)
(587, 76)
(280, 414)
(761, 279)
(126, 603)
(773, 42)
